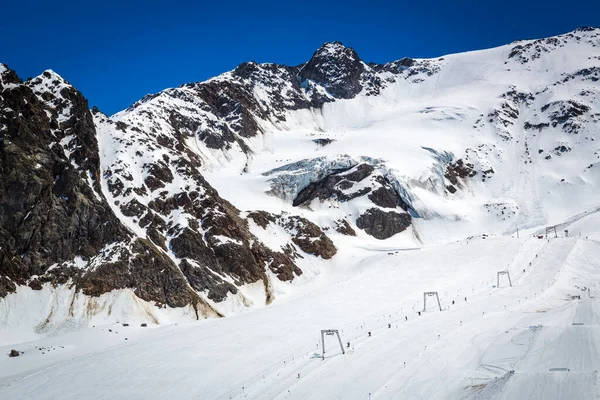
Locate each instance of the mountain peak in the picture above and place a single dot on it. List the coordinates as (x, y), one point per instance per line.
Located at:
(8, 76)
(587, 29)
(52, 76)
(335, 67)
(332, 46)
(336, 49)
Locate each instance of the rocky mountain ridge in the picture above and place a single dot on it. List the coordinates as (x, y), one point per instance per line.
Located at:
(58, 227)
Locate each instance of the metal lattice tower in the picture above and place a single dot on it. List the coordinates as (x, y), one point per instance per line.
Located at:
(330, 332)
(550, 229)
(498, 278)
(427, 294)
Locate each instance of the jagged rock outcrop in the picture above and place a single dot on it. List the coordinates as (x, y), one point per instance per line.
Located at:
(567, 114)
(533, 50)
(343, 227)
(456, 172)
(335, 186)
(50, 208)
(344, 179)
(383, 224)
(306, 235)
(340, 71)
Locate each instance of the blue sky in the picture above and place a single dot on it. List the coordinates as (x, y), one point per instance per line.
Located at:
(116, 52)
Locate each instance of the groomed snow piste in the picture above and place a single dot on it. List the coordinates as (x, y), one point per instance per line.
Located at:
(500, 343)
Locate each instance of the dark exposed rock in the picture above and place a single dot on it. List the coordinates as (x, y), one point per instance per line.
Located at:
(35, 284)
(539, 127)
(223, 112)
(8, 76)
(228, 251)
(558, 150)
(280, 263)
(310, 238)
(6, 286)
(262, 218)
(485, 174)
(459, 169)
(385, 196)
(359, 173)
(323, 141)
(335, 67)
(133, 208)
(565, 113)
(279, 78)
(507, 114)
(53, 210)
(14, 353)
(587, 29)
(49, 213)
(585, 74)
(517, 97)
(305, 234)
(525, 53)
(383, 224)
(338, 185)
(343, 227)
(409, 68)
(201, 278)
(158, 175)
(334, 185)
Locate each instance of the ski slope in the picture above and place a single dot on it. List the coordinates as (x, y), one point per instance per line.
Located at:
(499, 343)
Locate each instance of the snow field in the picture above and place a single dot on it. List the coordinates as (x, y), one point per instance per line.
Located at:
(260, 354)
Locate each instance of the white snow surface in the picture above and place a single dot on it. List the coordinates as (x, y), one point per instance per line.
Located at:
(498, 344)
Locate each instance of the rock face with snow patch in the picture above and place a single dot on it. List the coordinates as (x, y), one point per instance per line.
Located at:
(51, 209)
(146, 220)
(340, 71)
(345, 180)
(57, 226)
(305, 234)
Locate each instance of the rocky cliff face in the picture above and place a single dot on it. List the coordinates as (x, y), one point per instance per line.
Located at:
(57, 226)
(146, 219)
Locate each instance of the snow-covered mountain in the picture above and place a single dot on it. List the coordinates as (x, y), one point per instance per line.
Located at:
(215, 197)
